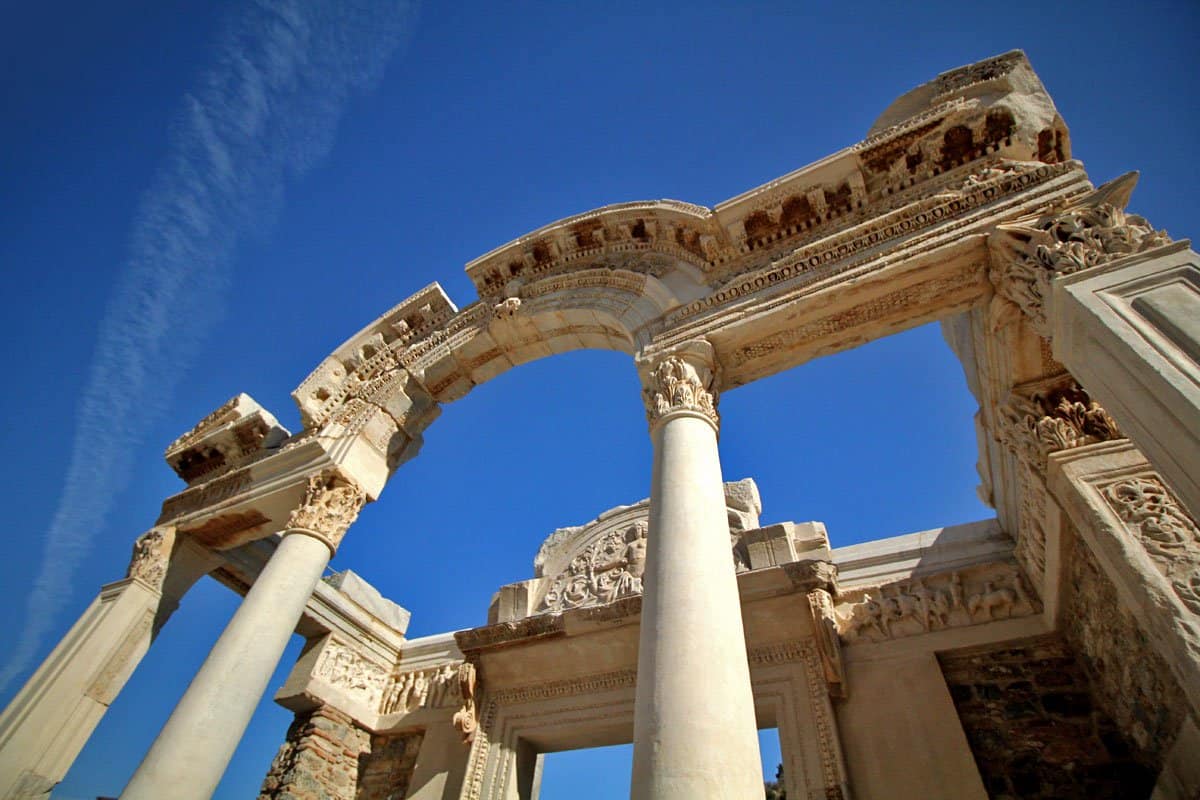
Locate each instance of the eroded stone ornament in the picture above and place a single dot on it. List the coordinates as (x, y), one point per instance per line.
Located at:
(465, 719)
(151, 553)
(329, 506)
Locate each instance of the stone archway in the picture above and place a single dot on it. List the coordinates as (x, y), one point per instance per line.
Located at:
(962, 205)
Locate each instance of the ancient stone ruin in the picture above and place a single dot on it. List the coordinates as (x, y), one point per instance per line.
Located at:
(1053, 651)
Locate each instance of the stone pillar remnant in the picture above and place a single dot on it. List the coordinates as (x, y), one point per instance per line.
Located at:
(193, 749)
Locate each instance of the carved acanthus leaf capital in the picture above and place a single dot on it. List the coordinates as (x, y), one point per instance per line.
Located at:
(1054, 418)
(1091, 231)
(329, 506)
(684, 379)
(151, 555)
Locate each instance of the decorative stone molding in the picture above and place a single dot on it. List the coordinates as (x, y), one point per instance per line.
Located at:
(1170, 537)
(346, 669)
(935, 602)
(1088, 232)
(151, 555)
(228, 437)
(329, 506)
(682, 380)
(1053, 415)
(433, 687)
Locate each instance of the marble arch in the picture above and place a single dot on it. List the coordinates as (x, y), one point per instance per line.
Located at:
(914, 666)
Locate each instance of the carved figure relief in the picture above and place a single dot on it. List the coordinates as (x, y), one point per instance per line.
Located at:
(934, 603)
(829, 646)
(435, 687)
(1171, 538)
(329, 506)
(608, 569)
(359, 677)
(677, 384)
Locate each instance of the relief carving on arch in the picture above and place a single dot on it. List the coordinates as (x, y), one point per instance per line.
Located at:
(1094, 230)
(1170, 537)
(608, 569)
(329, 507)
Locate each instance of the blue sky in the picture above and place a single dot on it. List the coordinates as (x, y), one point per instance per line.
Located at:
(150, 276)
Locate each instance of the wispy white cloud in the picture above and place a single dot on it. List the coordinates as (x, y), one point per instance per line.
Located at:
(262, 114)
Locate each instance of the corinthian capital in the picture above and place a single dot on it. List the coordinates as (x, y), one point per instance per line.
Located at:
(1090, 231)
(329, 506)
(683, 379)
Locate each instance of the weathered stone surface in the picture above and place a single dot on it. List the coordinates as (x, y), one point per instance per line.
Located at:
(1028, 712)
(1133, 683)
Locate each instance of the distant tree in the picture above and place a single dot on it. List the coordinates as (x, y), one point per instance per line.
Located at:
(775, 790)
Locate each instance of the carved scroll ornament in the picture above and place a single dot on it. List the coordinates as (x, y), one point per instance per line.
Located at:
(435, 687)
(329, 506)
(1091, 232)
(466, 719)
(681, 382)
(1170, 537)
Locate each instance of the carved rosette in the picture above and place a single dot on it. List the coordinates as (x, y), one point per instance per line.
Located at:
(329, 506)
(1095, 230)
(681, 381)
(151, 554)
(1170, 537)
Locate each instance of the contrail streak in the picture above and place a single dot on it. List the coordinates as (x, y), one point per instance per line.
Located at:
(262, 114)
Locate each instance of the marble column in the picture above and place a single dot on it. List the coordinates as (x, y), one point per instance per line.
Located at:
(190, 755)
(695, 734)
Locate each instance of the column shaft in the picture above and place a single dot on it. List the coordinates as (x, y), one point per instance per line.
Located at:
(190, 755)
(695, 734)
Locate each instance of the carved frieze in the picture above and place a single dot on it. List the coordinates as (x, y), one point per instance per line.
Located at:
(329, 506)
(1094, 230)
(935, 602)
(684, 380)
(348, 670)
(1170, 537)
(434, 687)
